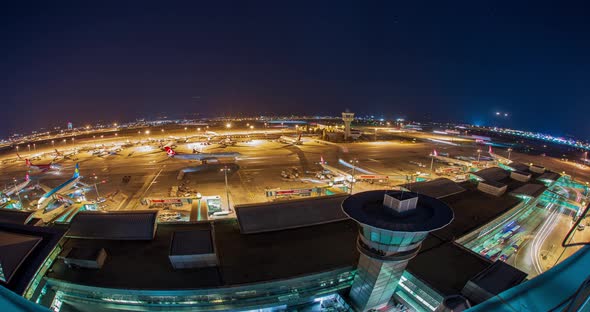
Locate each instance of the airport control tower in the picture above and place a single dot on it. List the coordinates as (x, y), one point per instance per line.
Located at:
(393, 225)
(347, 117)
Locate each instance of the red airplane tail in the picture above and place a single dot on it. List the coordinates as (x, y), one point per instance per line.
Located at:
(434, 153)
(27, 177)
(169, 151)
(28, 162)
(490, 149)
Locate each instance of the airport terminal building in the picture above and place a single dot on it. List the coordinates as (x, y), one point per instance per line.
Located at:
(377, 249)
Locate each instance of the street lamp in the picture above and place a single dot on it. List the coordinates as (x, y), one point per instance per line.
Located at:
(29, 146)
(225, 171)
(354, 162)
(478, 154)
(52, 143)
(251, 127)
(228, 125)
(147, 131)
(509, 151)
(18, 194)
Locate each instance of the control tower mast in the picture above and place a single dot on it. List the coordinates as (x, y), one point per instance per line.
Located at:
(393, 225)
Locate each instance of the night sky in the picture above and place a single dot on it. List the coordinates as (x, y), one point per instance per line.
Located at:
(426, 61)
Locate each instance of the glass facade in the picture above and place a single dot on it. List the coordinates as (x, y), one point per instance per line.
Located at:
(278, 293)
(390, 238)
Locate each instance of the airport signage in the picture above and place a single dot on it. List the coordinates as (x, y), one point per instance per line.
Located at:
(293, 192)
(166, 201)
(372, 177)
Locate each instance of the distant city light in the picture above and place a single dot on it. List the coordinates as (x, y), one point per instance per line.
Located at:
(228, 125)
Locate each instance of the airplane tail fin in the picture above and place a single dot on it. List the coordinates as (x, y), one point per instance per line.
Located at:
(322, 160)
(28, 162)
(434, 153)
(169, 151)
(76, 171)
(27, 178)
(490, 149)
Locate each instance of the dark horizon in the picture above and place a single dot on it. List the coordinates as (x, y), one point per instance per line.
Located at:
(424, 61)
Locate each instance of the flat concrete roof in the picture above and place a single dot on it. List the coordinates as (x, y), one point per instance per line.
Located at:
(14, 249)
(281, 215)
(492, 174)
(29, 246)
(367, 208)
(243, 259)
(446, 267)
(530, 189)
(116, 225)
(271, 256)
(473, 209)
(499, 277)
(437, 188)
(191, 242)
(14, 216)
(519, 166)
(493, 183)
(552, 176)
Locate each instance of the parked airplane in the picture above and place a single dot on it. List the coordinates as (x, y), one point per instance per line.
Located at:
(451, 161)
(42, 167)
(336, 171)
(498, 158)
(62, 190)
(17, 187)
(290, 140)
(198, 156)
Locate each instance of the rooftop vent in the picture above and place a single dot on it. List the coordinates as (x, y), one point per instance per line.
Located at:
(400, 202)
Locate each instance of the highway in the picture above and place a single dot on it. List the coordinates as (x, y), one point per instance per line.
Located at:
(528, 237)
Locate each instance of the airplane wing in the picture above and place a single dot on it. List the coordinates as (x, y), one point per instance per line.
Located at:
(45, 188)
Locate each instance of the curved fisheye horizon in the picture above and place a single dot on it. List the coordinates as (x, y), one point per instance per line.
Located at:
(293, 156)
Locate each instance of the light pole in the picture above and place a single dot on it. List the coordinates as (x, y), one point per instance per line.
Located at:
(18, 194)
(509, 151)
(225, 170)
(478, 154)
(96, 188)
(34, 146)
(431, 162)
(354, 162)
(52, 143)
(29, 146)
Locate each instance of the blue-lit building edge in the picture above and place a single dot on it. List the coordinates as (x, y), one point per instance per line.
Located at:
(279, 293)
(271, 296)
(553, 290)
